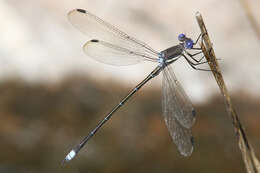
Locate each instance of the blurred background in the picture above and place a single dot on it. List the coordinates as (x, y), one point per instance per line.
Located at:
(52, 95)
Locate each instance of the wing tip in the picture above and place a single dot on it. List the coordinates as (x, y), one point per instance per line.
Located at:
(188, 152)
(193, 112)
(192, 140)
(70, 13)
(94, 40)
(81, 10)
(90, 41)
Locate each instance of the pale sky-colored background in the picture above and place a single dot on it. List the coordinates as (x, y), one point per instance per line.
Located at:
(38, 43)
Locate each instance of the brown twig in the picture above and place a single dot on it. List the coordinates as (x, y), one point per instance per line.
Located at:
(250, 160)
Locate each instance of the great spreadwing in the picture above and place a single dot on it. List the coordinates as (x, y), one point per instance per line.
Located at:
(112, 46)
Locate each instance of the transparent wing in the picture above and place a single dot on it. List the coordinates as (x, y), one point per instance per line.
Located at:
(96, 28)
(111, 54)
(177, 100)
(175, 115)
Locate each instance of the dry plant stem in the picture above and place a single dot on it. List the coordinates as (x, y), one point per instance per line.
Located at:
(250, 160)
(251, 17)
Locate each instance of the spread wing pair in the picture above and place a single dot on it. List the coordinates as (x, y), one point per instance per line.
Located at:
(111, 46)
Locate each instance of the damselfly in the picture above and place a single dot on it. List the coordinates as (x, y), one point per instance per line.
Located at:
(112, 46)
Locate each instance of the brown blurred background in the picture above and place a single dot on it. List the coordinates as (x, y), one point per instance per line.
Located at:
(52, 95)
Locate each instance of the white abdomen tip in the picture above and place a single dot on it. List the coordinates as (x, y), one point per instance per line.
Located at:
(71, 155)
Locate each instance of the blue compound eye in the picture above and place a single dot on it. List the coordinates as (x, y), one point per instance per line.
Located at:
(189, 44)
(181, 37)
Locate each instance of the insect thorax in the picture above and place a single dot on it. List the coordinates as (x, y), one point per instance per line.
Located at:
(173, 52)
